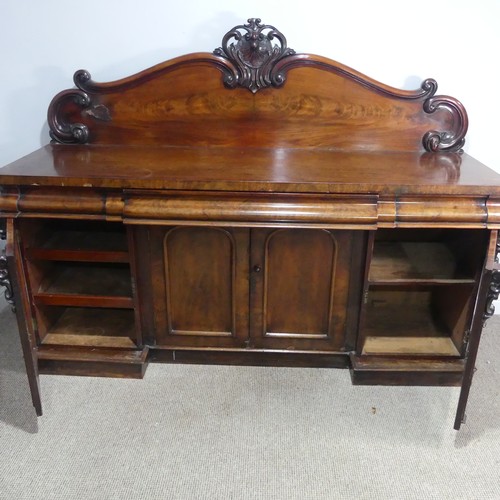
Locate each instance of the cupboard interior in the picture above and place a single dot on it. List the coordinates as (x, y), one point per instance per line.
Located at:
(80, 282)
(419, 292)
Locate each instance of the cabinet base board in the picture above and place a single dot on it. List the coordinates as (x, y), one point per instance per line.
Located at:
(365, 370)
(251, 358)
(133, 363)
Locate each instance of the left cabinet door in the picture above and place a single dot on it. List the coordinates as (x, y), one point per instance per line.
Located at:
(199, 278)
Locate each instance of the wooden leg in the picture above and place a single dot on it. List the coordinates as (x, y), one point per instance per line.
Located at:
(11, 267)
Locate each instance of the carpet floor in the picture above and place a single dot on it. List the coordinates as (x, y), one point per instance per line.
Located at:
(226, 432)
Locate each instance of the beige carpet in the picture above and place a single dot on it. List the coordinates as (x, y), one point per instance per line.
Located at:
(221, 432)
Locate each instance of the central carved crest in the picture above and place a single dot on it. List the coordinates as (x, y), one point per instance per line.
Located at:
(253, 55)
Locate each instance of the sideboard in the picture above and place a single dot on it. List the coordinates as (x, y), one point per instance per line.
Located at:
(252, 206)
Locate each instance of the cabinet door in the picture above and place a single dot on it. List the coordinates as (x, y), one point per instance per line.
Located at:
(200, 286)
(302, 284)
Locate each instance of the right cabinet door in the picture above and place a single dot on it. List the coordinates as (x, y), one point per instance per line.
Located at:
(304, 288)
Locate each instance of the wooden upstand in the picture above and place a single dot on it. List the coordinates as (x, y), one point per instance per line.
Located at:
(252, 206)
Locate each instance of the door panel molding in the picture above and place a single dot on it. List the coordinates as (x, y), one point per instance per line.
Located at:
(294, 302)
(200, 285)
(326, 332)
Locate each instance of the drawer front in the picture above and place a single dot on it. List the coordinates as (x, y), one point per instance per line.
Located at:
(257, 209)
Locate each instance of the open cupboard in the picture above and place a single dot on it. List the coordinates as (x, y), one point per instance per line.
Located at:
(274, 210)
(80, 283)
(419, 291)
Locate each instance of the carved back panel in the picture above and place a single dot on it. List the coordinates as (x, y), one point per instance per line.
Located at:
(256, 92)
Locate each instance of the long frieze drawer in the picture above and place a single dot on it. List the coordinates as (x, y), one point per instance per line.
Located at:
(48, 200)
(54, 200)
(437, 210)
(62, 201)
(258, 208)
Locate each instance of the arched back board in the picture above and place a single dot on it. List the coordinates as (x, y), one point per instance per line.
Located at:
(255, 91)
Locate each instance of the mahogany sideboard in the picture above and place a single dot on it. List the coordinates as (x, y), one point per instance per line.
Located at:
(252, 206)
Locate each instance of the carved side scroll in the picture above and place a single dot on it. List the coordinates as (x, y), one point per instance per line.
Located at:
(254, 56)
(494, 288)
(4, 271)
(64, 131)
(493, 293)
(452, 140)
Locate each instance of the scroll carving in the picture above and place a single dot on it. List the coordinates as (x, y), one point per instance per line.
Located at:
(74, 133)
(493, 293)
(494, 289)
(253, 55)
(451, 140)
(62, 131)
(4, 273)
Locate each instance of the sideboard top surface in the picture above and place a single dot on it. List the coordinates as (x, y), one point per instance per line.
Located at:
(252, 169)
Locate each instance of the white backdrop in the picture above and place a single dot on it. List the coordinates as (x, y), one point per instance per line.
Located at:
(398, 43)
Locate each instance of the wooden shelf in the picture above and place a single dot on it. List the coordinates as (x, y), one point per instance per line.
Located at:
(414, 263)
(84, 246)
(95, 285)
(93, 327)
(430, 346)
